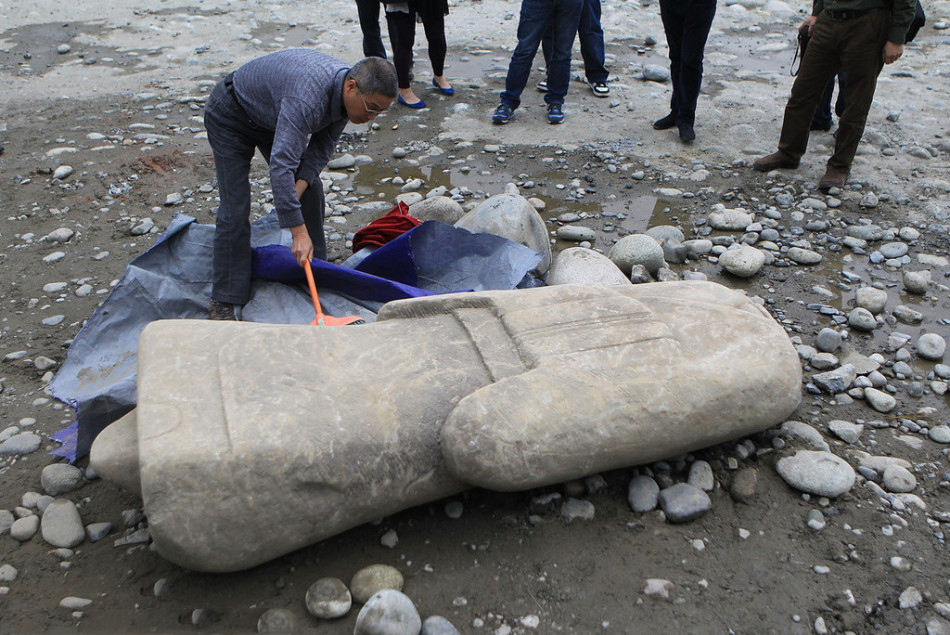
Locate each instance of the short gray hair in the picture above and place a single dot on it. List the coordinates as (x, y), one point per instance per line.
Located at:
(375, 76)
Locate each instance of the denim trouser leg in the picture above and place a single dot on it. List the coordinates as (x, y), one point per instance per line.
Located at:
(687, 26)
(566, 18)
(591, 36)
(368, 11)
(536, 16)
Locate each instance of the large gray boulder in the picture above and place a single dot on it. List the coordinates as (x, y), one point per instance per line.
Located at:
(440, 208)
(577, 265)
(341, 426)
(513, 217)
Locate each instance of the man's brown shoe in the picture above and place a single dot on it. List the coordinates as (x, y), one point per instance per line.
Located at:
(774, 162)
(833, 177)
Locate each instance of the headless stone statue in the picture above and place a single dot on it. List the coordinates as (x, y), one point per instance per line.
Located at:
(506, 390)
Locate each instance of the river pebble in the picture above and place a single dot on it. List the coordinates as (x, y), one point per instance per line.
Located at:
(684, 502)
(643, 493)
(743, 261)
(814, 472)
(438, 625)
(369, 580)
(277, 622)
(60, 478)
(328, 598)
(845, 430)
(931, 346)
(388, 612)
(879, 400)
(61, 525)
(898, 479)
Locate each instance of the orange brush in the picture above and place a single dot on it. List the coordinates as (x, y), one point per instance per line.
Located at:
(321, 319)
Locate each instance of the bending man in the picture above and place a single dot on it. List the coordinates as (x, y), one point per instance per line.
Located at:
(273, 104)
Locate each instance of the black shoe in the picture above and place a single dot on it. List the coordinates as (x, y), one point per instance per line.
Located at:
(665, 123)
(600, 89)
(503, 114)
(823, 126)
(221, 311)
(555, 113)
(687, 134)
(543, 86)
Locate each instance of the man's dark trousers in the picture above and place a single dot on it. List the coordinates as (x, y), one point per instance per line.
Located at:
(855, 45)
(537, 16)
(233, 140)
(591, 36)
(687, 24)
(368, 11)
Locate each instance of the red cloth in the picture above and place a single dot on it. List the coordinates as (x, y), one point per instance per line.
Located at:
(385, 228)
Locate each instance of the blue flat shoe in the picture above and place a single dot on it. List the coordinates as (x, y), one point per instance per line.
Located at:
(419, 104)
(445, 91)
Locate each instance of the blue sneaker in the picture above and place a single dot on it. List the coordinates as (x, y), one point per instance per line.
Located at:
(555, 113)
(503, 114)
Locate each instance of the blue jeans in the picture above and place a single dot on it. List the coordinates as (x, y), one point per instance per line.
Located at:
(591, 35)
(233, 140)
(537, 16)
(686, 23)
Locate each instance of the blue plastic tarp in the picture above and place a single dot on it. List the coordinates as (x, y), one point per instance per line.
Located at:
(172, 280)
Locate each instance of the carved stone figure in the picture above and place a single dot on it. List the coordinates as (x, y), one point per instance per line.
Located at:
(503, 389)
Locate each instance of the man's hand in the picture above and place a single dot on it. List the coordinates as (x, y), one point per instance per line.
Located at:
(301, 187)
(808, 24)
(302, 249)
(892, 52)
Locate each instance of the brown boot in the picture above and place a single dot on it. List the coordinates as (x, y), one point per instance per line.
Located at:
(774, 162)
(834, 177)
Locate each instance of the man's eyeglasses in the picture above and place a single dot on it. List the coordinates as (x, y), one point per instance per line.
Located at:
(369, 111)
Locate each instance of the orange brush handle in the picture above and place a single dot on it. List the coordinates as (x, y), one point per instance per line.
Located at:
(313, 290)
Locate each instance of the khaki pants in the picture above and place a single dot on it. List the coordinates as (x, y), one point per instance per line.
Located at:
(855, 45)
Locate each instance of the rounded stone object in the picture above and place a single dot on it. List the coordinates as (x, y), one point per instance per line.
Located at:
(61, 525)
(804, 256)
(584, 266)
(277, 622)
(862, 319)
(916, 282)
(845, 430)
(8, 573)
(931, 346)
(743, 262)
(637, 249)
(440, 208)
(880, 400)
(871, 298)
(22, 443)
(438, 625)
(59, 478)
(684, 502)
(898, 479)
(576, 233)
(642, 493)
(374, 578)
(817, 472)
(659, 233)
(828, 340)
(940, 434)
(328, 598)
(388, 612)
(732, 220)
(513, 217)
(25, 528)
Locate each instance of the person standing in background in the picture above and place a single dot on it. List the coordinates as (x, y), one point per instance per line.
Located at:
(538, 17)
(401, 19)
(368, 11)
(687, 24)
(591, 35)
